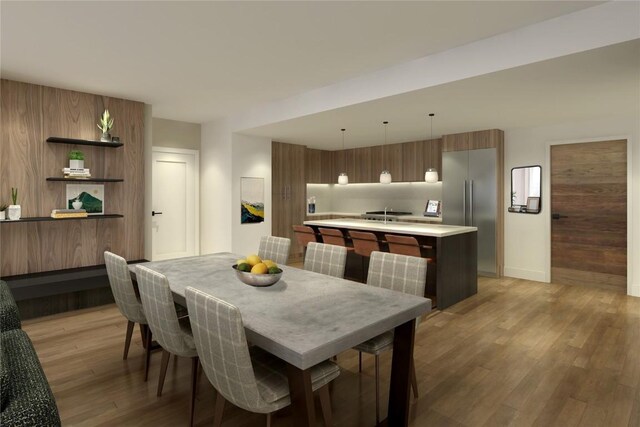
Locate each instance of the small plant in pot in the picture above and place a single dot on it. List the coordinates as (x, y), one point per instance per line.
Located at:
(105, 125)
(14, 210)
(3, 208)
(76, 159)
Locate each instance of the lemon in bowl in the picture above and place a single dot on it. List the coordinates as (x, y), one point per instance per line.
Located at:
(259, 274)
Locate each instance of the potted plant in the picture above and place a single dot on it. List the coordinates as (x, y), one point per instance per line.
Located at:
(3, 208)
(76, 159)
(14, 210)
(105, 125)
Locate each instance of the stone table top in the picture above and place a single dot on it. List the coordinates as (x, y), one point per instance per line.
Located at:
(306, 317)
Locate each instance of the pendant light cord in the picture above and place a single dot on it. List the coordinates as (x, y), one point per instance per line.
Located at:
(343, 138)
(385, 123)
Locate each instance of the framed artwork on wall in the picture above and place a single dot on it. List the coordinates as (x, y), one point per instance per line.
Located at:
(251, 200)
(91, 196)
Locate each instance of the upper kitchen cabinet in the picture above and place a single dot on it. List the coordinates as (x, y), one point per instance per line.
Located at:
(318, 167)
(288, 191)
(387, 157)
(476, 140)
(418, 156)
(362, 165)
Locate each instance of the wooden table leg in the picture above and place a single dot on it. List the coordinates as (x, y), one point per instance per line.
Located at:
(400, 387)
(301, 396)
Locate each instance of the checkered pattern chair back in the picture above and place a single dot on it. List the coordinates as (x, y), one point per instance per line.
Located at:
(274, 248)
(399, 273)
(219, 335)
(161, 313)
(326, 259)
(122, 288)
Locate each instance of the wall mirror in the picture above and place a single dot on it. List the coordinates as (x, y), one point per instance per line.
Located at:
(526, 189)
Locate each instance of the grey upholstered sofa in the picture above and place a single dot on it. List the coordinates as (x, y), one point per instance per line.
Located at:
(25, 396)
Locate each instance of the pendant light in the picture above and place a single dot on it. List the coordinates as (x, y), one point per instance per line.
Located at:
(385, 176)
(431, 175)
(343, 178)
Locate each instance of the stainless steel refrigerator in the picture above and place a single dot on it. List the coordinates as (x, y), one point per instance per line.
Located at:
(469, 197)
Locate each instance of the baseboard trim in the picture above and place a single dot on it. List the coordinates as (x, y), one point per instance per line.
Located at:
(634, 290)
(520, 273)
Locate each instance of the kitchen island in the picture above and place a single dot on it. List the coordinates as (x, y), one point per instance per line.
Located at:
(452, 250)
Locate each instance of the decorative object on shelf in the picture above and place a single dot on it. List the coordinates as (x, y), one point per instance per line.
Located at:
(311, 204)
(76, 160)
(105, 125)
(431, 175)
(69, 213)
(251, 200)
(343, 178)
(14, 211)
(77, 204)
(3, 214)
(91, 196)
(115, 139)
(385, 176)
(533, 204)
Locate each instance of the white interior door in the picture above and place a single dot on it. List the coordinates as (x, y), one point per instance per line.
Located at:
(175, 203)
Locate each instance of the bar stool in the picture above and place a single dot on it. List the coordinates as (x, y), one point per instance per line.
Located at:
(304, 235)
(407, 245)
(363, 244)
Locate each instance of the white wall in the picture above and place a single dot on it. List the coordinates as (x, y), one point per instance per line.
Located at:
(527, 237)
(251, 157)
(176, 134)
(215, 188)
(360, 198)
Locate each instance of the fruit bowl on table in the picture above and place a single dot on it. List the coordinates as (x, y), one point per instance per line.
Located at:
(259, 280)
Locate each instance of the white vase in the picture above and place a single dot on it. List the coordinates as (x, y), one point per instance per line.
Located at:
(2, 216)
(77, 204)
(76, 164)
(14, 212)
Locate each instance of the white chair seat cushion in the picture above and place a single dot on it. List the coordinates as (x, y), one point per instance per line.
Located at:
(377, 345)
(271, 376)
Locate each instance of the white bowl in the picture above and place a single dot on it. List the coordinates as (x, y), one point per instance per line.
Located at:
(259, 280)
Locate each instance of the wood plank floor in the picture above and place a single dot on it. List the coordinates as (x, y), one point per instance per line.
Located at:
(518, 353)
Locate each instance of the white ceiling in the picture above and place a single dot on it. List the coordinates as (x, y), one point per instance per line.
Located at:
(197, 61)
(600, 82)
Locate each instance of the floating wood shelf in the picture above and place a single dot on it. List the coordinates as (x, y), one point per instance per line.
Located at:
(57, 140)
(85, 179)
(48, 218)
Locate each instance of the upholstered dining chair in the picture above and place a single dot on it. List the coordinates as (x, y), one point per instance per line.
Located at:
(326, 259)
(172, 333)
(409, 245)
(274, 248)
(248, 377)
(400, 273)
(128, 303)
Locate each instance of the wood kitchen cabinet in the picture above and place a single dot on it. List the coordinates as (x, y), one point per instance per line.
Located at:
(319, 167)
(418, 156)
(387, 157)
(288, 191)
(362, 165)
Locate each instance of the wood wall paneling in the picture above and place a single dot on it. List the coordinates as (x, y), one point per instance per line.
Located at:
(313, 166)
(326, 172)
(413, 160)
(30, 114)
(432, 152)
(392, 161)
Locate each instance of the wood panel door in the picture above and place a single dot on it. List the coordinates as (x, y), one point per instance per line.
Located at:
(589, 213)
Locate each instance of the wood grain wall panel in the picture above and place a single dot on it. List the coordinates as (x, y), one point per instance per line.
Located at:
(432, 152)
(21, 152)
(392, 161)
(30, 114)
(326, 172)
(413, 160)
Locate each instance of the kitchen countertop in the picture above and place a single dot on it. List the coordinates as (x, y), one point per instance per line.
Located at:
(405, 217)
(432, 230)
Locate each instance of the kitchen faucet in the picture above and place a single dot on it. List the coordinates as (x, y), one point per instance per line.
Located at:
(385, 214)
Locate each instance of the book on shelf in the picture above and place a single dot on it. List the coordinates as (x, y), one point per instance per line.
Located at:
(82, 170)
(69, 211)
(69, 215)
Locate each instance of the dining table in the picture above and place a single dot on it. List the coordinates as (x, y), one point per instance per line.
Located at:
(306, 318)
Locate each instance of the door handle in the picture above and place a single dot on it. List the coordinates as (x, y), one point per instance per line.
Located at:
(464, 202)
(558, 216)
(471, 201)
(154, 213)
